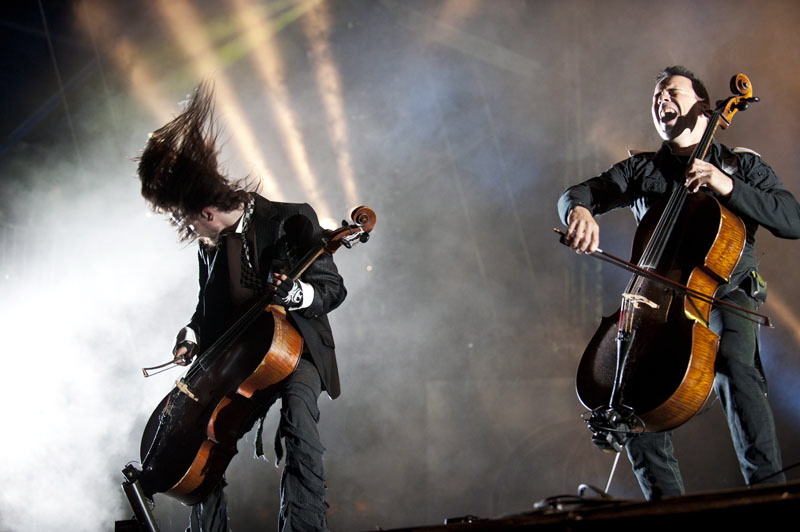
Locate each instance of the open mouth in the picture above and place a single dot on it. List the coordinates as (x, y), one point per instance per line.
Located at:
(667, 114)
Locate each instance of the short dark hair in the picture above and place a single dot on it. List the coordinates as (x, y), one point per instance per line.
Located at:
(178, 167)
(697, 84)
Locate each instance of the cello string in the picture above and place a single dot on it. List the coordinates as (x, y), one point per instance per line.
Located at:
(667, 223)
(681, 289)
(657, 244)
(223, 343)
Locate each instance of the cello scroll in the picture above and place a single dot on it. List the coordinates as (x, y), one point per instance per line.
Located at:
(740, 84)
(349, 235)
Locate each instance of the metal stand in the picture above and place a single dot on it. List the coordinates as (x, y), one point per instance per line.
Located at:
(611, 474)
(143, 517)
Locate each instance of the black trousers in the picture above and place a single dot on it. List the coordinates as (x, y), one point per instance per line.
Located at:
(303, 505)
(741, 388)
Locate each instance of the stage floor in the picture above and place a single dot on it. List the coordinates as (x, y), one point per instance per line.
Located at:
(768, 507)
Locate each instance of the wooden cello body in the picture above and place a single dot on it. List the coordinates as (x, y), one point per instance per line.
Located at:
(668, 370)
(192, 435)
(650, 366)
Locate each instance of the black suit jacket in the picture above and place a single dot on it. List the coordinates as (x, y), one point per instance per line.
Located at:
(281, 232)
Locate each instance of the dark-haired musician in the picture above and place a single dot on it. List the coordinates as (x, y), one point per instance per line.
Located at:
(747, 186)
(246, 242)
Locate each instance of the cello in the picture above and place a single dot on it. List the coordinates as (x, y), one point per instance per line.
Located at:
(192, 435)
(650, 365)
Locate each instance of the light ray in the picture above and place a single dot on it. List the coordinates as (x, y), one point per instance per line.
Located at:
(446, 34)
(183, 22)
(258, 34)
(318, 27)
(96, 21)
(455, 11)
(785, 314)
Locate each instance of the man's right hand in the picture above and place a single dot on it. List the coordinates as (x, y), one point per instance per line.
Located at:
(184, 352)
(583, 233)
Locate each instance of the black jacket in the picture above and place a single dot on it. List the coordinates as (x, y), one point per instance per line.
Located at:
(281, 232)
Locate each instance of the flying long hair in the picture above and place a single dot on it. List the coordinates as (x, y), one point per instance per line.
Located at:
(178, 167)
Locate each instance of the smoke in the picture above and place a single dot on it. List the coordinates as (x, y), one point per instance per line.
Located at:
(465, 319)
(73, 324)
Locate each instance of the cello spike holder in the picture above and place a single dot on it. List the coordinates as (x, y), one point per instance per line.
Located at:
(612, 427)
(143, 518)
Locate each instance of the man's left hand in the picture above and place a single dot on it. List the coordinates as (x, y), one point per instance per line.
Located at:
(705, 175)
(287, 292)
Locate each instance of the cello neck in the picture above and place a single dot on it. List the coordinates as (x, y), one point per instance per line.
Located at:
(658, 242)
(701, 150)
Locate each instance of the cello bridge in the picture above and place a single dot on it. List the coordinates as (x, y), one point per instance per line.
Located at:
(638, 299)
(183, 387)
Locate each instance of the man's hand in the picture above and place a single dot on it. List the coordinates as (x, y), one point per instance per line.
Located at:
(705, 175)
(287, 292)
(583, 233)
(183, 352)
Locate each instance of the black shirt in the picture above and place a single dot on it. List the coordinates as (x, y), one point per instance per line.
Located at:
(758, 197)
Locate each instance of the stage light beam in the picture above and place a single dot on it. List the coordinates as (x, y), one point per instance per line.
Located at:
(189, 33)
(317, 26)
(258, 34)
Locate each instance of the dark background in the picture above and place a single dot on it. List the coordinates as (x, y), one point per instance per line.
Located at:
(459, 122)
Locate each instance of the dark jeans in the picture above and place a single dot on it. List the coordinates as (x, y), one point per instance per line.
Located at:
(740, 386)
(303, 505)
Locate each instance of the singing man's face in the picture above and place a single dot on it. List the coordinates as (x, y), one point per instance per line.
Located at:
(675, 107)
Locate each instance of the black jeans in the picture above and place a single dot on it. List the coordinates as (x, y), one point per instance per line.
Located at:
(303, 505)
(741, 388)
